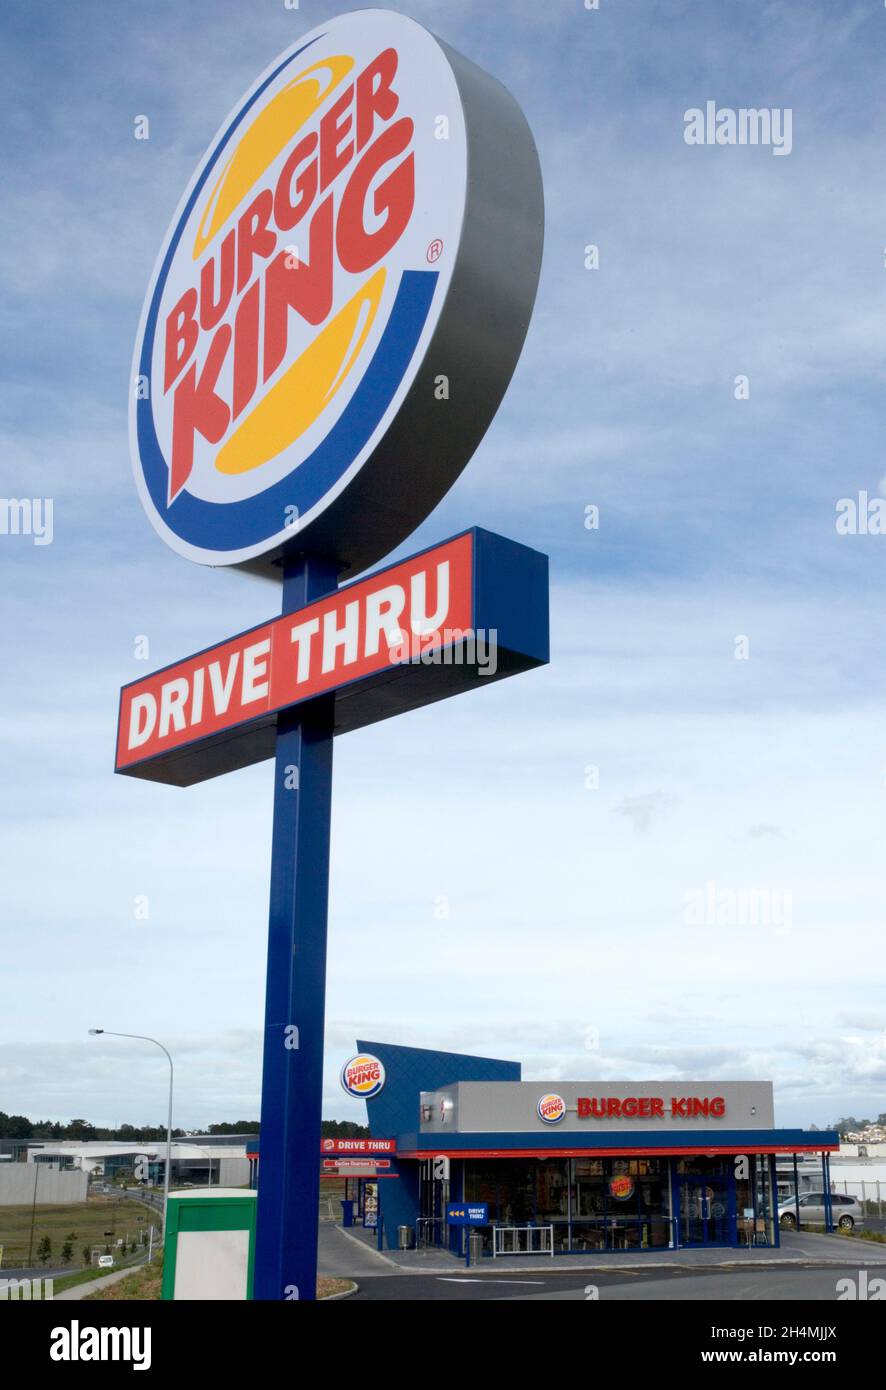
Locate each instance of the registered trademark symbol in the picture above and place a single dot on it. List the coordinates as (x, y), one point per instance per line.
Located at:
(435, 250)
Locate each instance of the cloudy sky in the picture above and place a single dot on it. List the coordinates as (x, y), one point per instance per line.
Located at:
(554, 869)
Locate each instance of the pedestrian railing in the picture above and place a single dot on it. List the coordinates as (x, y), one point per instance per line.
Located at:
(522, 1240)
(428, 1232)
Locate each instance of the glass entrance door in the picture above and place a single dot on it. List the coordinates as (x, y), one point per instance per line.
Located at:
(707, 1210)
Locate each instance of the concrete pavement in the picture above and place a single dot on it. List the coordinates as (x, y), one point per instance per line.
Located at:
(342, 1256)
(352, 1253)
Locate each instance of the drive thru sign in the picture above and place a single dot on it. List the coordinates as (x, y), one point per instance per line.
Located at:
(470, 610)
(334, 317)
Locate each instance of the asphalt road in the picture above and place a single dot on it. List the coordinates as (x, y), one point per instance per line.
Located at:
(38, 1271)
(787, 1284)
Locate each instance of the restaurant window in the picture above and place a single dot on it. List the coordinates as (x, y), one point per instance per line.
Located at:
(765, 1207)
(620, 1204)
(552, 1199)
(508, 1188)
(552, 1189)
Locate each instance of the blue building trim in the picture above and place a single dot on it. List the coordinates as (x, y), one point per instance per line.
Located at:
(737, 1141)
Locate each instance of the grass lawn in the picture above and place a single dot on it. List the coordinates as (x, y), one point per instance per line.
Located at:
(856, 1233)
(142, 1284)
(68, 1281)
(331, 1192)
(327, 1287)
(145, 1284)
(87, 1222)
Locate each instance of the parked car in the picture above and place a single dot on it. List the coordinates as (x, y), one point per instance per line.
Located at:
(106, 1261)
(845, 1211)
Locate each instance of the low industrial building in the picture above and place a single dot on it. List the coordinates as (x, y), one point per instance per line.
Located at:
(22, 1185)
(196, 1161)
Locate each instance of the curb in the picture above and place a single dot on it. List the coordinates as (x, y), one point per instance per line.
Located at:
(563, 1267)
(348, 1293)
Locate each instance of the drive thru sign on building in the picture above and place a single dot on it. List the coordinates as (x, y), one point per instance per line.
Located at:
(334, 317)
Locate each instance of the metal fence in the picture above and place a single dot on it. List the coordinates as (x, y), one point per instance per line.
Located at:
(871, 1193)
(522, 1240)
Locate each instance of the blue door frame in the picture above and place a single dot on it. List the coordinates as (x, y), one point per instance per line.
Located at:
(705, 1209)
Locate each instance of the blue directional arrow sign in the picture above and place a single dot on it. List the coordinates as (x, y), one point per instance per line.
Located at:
(468, 1213)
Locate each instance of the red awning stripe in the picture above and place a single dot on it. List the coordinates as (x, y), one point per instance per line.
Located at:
(617, 1153)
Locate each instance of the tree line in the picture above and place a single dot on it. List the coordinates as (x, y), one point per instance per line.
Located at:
(850, 1125)
(20, 1127)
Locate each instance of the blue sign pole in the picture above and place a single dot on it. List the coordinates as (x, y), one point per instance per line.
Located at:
(287, 1218)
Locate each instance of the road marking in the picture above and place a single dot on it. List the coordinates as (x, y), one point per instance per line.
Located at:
(534, 1282)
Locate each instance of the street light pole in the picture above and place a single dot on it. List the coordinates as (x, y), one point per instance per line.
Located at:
(141, 1037)
(33, 1212)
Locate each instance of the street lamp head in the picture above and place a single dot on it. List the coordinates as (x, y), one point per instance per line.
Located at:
(96, 1031)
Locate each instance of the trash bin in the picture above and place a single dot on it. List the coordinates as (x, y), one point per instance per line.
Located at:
(405, 1237)
(347, 1211)
(475, 1246)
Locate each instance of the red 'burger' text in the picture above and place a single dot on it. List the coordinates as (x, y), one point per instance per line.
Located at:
(252, 280)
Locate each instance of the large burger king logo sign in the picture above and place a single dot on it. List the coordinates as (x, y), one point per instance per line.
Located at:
(363, 1076)
(551, 1108)
(340, 300)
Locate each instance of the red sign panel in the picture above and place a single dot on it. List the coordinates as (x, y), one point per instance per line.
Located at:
(353, 1147)
(377, 624)
(362, 1163)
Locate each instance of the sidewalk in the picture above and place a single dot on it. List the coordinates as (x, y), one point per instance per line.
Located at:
(795, 1249)
(93, 1285)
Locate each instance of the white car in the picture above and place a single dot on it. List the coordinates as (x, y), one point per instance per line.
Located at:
(846, 1212)
(106, 1261)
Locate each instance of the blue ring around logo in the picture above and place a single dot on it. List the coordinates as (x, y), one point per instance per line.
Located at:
(221, 526)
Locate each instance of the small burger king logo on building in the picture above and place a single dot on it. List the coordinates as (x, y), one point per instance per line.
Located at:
(621, 1187)
(551, 1108)
(363, 1076)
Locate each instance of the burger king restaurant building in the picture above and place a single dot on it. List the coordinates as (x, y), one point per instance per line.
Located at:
(574, 1167)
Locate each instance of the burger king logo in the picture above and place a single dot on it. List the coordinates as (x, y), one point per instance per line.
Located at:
(621, 1187)
(551, 1108)
(363, 1076)
(322, 247)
